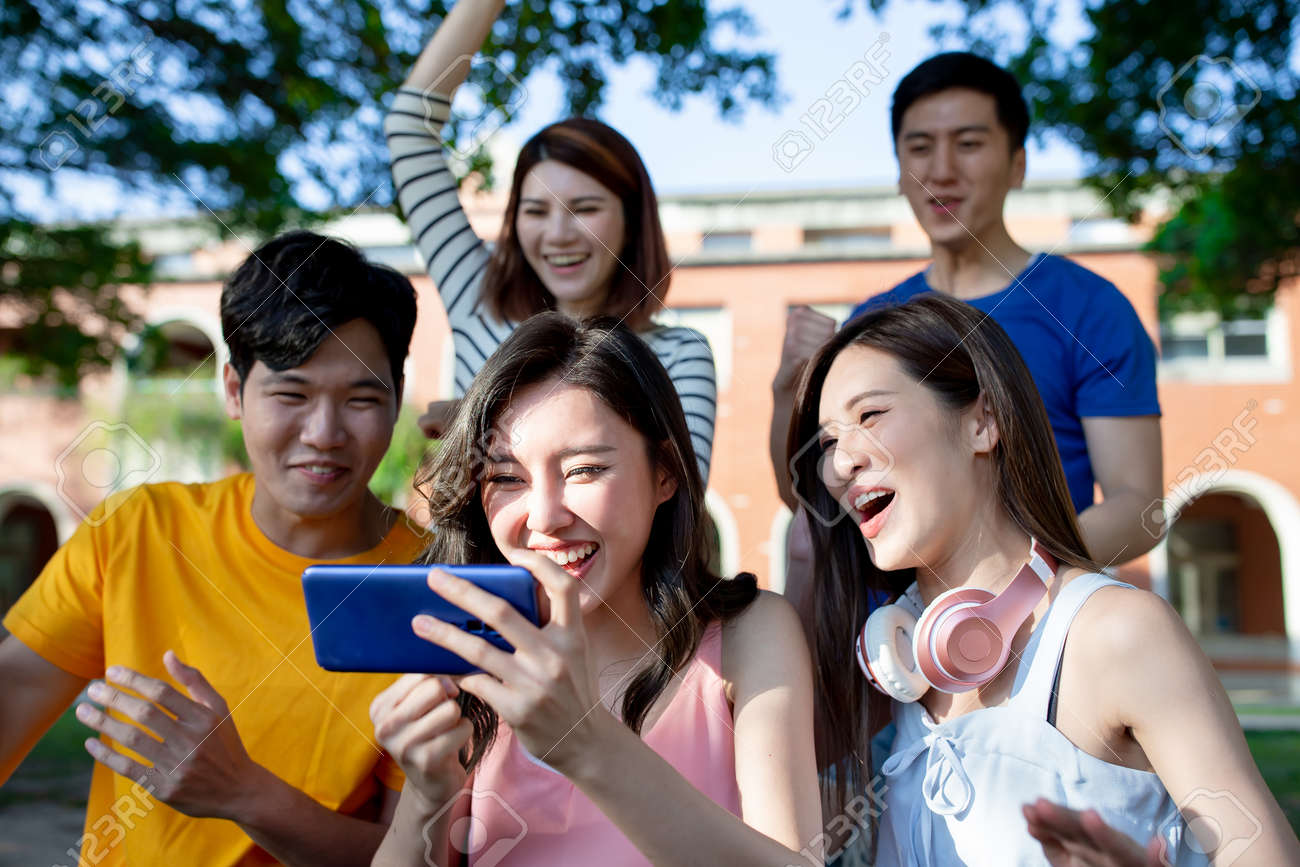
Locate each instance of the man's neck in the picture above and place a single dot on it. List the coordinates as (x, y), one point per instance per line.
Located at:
(979, 267)
(333, 538)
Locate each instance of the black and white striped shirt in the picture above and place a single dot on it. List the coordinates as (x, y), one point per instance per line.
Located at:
(456, 258)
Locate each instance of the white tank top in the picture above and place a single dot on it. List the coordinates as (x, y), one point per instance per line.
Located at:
(954, 790)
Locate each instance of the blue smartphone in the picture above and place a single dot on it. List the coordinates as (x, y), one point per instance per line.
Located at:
(361, 615)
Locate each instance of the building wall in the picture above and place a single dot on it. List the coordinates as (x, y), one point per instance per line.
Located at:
(753, 288)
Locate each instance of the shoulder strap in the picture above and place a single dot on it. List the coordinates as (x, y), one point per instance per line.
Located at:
(1033, 687)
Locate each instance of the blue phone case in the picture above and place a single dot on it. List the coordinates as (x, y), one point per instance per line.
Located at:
(361, 615)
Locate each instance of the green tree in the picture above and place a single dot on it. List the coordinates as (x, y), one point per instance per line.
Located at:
(268, 113)
(1194, 101)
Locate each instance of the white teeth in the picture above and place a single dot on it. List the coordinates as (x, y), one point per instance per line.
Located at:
(319, 470)
(863, 499)
(570, 259)
(572, 555)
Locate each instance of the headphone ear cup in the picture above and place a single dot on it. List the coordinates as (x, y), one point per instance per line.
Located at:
(884, 652)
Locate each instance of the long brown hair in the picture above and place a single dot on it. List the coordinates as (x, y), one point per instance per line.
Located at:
(958, 353)
(639, 285)
(680, 590)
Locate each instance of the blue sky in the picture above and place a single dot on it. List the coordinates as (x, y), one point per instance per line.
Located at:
(694, 150)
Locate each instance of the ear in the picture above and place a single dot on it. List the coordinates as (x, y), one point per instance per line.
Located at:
(666, 486)
(980, 426)
(231, 387)
(1018, 169)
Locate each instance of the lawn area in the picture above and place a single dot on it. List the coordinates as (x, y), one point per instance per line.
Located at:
(1278, 757)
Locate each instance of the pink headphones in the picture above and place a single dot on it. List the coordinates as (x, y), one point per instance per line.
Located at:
(959, 642)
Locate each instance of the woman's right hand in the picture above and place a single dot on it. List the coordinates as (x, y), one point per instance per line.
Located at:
(437, 418)
(418, 722)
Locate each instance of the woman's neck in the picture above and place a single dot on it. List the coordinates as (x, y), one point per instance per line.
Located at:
(584, 308)
(621, 637)
(988, 554)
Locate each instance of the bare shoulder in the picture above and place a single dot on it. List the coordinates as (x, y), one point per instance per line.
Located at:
(1122, 629)
(764, 619)
(764, 641)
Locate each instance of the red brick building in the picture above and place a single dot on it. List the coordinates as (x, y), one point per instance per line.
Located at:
(1231, 562)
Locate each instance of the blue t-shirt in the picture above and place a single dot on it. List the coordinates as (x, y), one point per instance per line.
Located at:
(1082, 342)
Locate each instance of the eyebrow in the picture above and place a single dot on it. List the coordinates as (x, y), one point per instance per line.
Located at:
(848, 404)
(572, 451)
(961, 130)
(290, 378)
(592, 197)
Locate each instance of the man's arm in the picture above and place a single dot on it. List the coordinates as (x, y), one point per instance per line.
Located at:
(36, 692)
(1127, 463)
(297, 830)
(198, 765)
(805, 332)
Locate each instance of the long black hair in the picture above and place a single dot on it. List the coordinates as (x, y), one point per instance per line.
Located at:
(958, 353)
(682, 594)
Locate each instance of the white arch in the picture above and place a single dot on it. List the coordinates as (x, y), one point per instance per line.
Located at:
(777, 536)
(1283, 513)
(12, 493)
(728, 532)
(195, 317)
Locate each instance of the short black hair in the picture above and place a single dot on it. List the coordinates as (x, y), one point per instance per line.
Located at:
(286, 298)
(963, 69)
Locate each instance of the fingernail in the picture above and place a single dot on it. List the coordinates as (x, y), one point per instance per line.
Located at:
(115, 673)
(85, 712)
(97, 691)
(423, 623)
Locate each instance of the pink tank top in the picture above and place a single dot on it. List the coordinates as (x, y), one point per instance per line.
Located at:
(524, 813)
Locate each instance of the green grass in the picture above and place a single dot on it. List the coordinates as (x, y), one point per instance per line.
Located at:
(1267, 709)
(1278, 757)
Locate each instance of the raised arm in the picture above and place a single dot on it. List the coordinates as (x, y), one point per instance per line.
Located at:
(428, 192)
(445, 61)
(805, 331)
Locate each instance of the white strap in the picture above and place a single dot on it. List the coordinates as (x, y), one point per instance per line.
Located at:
(1032, 689)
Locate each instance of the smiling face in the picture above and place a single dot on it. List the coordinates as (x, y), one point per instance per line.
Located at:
(956, 165)
(902, 465)
(571, 230)
(566, 476)
(315, 433)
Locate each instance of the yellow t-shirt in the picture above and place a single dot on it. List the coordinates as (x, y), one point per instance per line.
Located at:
(184, 567)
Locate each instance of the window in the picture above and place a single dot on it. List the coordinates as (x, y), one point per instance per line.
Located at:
(726, 242)
(847, 238)
(1204, 346)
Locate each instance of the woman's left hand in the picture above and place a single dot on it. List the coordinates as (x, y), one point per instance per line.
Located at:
(546, 690)
(1083, 839)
